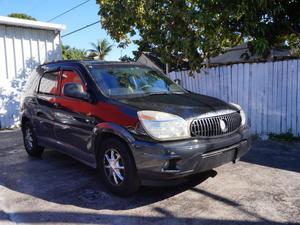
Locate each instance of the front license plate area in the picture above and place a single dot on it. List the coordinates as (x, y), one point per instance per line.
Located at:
(214, 160)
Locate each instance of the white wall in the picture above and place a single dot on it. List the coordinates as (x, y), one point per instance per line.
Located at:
(21, 50)
(268, 92)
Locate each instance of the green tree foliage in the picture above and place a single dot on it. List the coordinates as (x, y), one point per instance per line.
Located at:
(73, 53)
(21, 16)
(100, 49)
(199, 29)
(126, 58)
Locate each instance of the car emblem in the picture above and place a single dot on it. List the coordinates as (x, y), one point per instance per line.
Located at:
(223, 125)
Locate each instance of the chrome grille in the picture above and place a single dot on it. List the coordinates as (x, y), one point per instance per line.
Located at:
(212, 126)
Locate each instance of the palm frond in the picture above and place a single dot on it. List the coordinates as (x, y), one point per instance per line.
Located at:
(95, 46)
(101, 49)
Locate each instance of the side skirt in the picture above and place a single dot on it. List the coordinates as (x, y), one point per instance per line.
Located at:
(85, 158)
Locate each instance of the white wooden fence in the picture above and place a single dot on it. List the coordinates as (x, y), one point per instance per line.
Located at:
(268, 92)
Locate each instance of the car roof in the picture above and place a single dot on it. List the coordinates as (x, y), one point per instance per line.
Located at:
(55, 65)
(90, 63)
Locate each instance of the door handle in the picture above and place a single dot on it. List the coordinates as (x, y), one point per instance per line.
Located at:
(56, 104)
(90, 121)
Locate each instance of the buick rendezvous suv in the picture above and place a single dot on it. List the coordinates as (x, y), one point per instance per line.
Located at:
(130, 122)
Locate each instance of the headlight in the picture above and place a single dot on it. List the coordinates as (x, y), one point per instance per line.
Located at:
(242, 113)
(163, 126)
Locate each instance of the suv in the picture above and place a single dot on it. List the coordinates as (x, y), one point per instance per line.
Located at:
(131, 122)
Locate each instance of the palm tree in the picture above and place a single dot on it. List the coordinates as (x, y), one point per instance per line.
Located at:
(73, 53)
(100, 50)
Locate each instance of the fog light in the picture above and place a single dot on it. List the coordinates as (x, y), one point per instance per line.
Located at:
(171, 166)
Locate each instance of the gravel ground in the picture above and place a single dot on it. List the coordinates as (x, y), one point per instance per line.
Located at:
(263, 188)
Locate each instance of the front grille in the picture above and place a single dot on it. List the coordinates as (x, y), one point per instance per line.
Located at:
(216, 125)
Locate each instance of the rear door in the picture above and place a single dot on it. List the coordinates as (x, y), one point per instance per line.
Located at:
(74, 119)
(47, 93)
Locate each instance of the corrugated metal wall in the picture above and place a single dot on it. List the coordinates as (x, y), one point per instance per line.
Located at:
(268, 92)
(21, 50)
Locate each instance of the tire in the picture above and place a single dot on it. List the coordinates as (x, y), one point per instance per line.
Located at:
(123, 166)
(30, 141)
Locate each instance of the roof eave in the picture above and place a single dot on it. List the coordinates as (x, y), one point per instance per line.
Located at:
(31, 24)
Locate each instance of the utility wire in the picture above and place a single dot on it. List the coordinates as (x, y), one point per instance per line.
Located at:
(68, 10)
(74, 31)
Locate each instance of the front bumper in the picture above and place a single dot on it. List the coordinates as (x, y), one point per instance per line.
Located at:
(161, 162)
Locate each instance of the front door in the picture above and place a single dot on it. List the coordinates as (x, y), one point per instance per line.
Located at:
(74, 121)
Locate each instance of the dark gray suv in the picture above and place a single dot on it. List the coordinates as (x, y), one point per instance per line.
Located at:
(132, 123)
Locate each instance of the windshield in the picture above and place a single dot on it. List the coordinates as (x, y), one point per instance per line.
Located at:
(129, 81)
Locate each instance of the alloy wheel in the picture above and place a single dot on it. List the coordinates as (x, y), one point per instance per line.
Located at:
(114, 167)
(29, 138)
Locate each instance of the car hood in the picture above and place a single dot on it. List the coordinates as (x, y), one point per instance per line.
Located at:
(186, 105)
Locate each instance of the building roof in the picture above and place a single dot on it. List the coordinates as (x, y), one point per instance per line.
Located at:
(156, 60)
(31, 24)
(242, 54)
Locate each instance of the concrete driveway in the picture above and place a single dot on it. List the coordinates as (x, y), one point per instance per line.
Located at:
(263, 188)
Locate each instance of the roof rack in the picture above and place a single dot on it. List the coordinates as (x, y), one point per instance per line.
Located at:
(91, 62)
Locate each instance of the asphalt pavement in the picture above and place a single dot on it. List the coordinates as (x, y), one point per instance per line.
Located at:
(262, 188)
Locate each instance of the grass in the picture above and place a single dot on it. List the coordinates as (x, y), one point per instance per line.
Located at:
(288, 136)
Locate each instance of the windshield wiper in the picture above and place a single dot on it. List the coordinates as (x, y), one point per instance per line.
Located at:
(158, 93)
(164, 93)
(149, 94)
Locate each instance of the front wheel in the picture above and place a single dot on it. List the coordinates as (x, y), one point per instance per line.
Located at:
(30, 141)
(117, 168)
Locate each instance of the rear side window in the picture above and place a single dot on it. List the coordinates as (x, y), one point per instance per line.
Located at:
(49, 84)
(32, 83)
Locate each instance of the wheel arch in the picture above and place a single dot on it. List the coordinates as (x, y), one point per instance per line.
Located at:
(24, 119)
(105, 130)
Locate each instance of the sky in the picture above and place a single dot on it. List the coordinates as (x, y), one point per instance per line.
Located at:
(44, 10)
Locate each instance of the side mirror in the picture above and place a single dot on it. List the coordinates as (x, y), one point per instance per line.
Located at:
(75, 90)
(177, 81)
